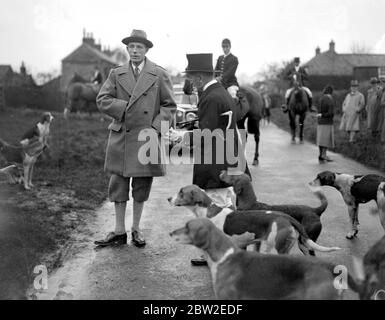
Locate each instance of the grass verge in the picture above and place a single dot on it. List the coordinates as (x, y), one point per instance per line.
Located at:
(69, 184)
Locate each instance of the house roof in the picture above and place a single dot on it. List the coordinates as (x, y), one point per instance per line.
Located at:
(86, 53)
(4, 69)
(332, 63)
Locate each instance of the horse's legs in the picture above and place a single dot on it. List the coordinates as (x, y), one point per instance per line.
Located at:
(292, 125)
(256, 138)
(302, 117)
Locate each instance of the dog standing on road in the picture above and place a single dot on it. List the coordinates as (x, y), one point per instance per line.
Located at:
(309, 217)
(355, 190)
(238, 274)
(277, 231)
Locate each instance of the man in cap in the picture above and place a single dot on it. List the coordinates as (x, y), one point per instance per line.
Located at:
(351, 108)
(373, 105)
(225, 69)
(216, 110)
(297, 73)
(138, 96)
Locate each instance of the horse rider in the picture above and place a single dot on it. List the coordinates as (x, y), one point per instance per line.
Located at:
(225, 69)
(297, 73)
(97, 77)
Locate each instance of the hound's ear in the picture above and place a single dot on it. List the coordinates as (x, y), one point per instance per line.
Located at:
(197, 196)
(238, 186)
(200, 238)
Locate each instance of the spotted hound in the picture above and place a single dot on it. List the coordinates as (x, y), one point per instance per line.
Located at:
(246, 199)
(355, 189)
(257, 222)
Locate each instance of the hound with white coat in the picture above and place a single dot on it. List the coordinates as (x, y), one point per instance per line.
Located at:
(354, 190)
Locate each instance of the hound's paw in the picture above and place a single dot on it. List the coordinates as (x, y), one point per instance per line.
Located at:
(352, 234)
(26, 187)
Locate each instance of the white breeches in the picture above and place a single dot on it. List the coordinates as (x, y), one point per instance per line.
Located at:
(233, 91)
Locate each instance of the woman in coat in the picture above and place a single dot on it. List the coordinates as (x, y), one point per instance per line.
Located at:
(325, 128)
(352, 107)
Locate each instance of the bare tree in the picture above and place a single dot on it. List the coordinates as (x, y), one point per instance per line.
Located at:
(357, 47)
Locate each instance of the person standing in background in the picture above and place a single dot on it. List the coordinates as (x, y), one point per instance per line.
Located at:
(373, 105)
(325, 128)
(351, 108)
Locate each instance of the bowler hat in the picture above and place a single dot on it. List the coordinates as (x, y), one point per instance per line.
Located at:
(354, 83)
(138, 36)
(296, 59)
(374, 80)
(200, 62)
(382, 78)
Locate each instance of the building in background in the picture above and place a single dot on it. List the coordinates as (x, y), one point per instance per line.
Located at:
(86, 57)
(339, 69)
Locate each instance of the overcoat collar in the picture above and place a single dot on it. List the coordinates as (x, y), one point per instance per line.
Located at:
(209, 89)
(136, 88)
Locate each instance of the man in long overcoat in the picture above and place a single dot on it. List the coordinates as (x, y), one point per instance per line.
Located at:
(138, 96)
(217, 116)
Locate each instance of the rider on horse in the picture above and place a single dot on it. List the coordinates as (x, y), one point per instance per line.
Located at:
(296, 73)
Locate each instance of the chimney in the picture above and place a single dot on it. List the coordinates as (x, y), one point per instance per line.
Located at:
(23, 70)
(332, 46)
(317, 51)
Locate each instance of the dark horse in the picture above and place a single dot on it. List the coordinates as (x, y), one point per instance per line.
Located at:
(252, 114)
(298, 105)
(80, 96)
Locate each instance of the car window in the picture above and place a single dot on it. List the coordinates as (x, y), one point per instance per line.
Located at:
(181, 98)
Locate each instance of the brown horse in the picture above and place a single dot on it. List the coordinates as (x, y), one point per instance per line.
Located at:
(253, 116)
(80, 96)
(298, 105)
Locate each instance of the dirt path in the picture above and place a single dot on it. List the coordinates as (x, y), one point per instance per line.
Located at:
(162, 269)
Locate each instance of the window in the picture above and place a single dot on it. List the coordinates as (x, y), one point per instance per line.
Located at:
(381, 71)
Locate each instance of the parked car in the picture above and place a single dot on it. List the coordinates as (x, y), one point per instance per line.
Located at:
(186, 111)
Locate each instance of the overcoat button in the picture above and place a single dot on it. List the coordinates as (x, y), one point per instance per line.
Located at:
(145, 112)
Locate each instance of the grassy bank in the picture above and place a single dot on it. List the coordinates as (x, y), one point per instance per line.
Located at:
(365, 150)
(69, 184)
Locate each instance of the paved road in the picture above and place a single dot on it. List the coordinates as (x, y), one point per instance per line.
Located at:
(162, 269)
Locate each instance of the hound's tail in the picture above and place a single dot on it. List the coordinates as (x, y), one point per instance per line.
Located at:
(6, 170)
(321, 196)
(380, 199)
(306, 241)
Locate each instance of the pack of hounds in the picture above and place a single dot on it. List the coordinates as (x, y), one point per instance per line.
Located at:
(21, 158)
(247, 247)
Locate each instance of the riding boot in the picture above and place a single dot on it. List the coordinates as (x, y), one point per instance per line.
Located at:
(301, 133)
(292, 135)
(310, 103)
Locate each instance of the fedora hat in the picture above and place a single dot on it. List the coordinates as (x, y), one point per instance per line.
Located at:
(200, 62)
(374, 80)
(354, 83)
(138, 36)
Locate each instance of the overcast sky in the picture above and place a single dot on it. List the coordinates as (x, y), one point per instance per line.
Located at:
(42, 32)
